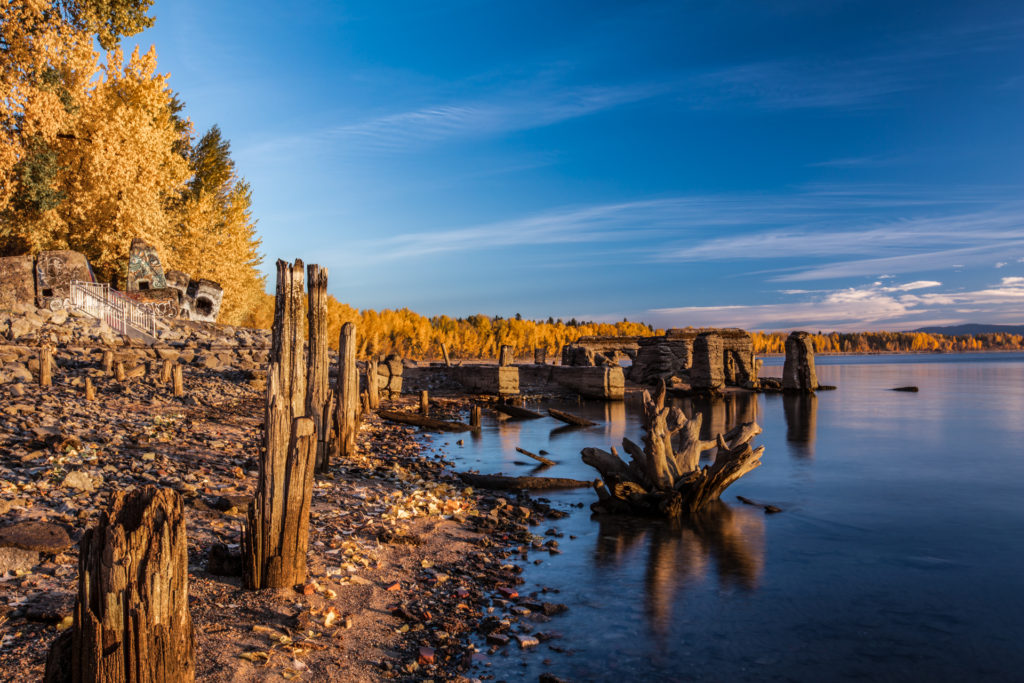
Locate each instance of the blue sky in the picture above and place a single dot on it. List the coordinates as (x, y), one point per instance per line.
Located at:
(832, 165)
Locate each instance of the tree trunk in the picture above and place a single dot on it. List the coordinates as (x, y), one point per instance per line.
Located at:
(277, 524)
(317, 386)
(131, 620)
(346, 393)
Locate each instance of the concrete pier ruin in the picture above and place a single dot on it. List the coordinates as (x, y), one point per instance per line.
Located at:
(704, 359)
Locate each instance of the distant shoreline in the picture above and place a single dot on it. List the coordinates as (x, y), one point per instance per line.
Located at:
(894, 353)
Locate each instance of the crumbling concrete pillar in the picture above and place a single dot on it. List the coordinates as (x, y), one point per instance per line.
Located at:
(707, 372)
(798, 373)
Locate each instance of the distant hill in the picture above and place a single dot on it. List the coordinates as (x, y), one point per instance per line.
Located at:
(972, 328)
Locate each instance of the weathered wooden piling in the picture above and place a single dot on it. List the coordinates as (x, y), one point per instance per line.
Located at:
(166, 370)
(424, 403)
(108, 361)
(317, 385)
(45, 366)
(276, 533)
(540, 355)
(444, 353)
(119, 373)
(372, 384)
(474, 417)
(131, 619)
(346, 394)
(505, 355)
(90, 390)
(179, 381)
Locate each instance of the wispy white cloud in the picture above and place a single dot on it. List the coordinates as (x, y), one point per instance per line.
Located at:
(513, 110)
(861, 308)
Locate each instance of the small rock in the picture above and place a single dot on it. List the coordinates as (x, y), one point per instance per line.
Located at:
(82, 481)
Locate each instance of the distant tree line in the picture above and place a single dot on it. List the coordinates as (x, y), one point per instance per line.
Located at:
(893, 342)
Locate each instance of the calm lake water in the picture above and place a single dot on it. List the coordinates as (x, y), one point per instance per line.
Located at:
(899, 554)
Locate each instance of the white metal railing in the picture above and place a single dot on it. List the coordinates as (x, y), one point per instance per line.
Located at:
(118, 311)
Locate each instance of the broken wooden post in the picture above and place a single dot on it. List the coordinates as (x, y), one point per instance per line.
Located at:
(45, 366)
(276, 532)
(317, 385)
(424, 403)
(444, 353)
(474, 417)
(166, 370)
(179, 381)
(505, 355)
(372, 384)
(131, 619)
(90, 390)
(108, 361)
(346, 393)
(540, 355)
(119, 372)
(136, 372)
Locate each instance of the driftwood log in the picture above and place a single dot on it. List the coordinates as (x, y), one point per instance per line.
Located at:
(664, 477)
(131, 619)
(499, 482)
(276, 533)
(517, 411)
(539, 458)
(569, 418)
(428, 423)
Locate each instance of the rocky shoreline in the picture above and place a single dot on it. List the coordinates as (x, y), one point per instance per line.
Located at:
(412, 574)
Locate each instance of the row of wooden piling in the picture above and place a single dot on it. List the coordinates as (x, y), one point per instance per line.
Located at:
(170, 372)
(141, 630)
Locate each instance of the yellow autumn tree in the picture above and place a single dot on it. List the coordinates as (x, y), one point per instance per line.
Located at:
(215, 234)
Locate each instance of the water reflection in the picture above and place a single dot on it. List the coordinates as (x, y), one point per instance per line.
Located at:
(731, 540)
(801, 423)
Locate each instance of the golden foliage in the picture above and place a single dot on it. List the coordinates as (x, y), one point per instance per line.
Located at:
(892, 342)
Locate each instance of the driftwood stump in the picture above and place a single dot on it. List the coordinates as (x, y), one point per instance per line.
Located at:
(277, 524)
(346, 393)
(665, 480)
(131, 620)
(317, 386)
